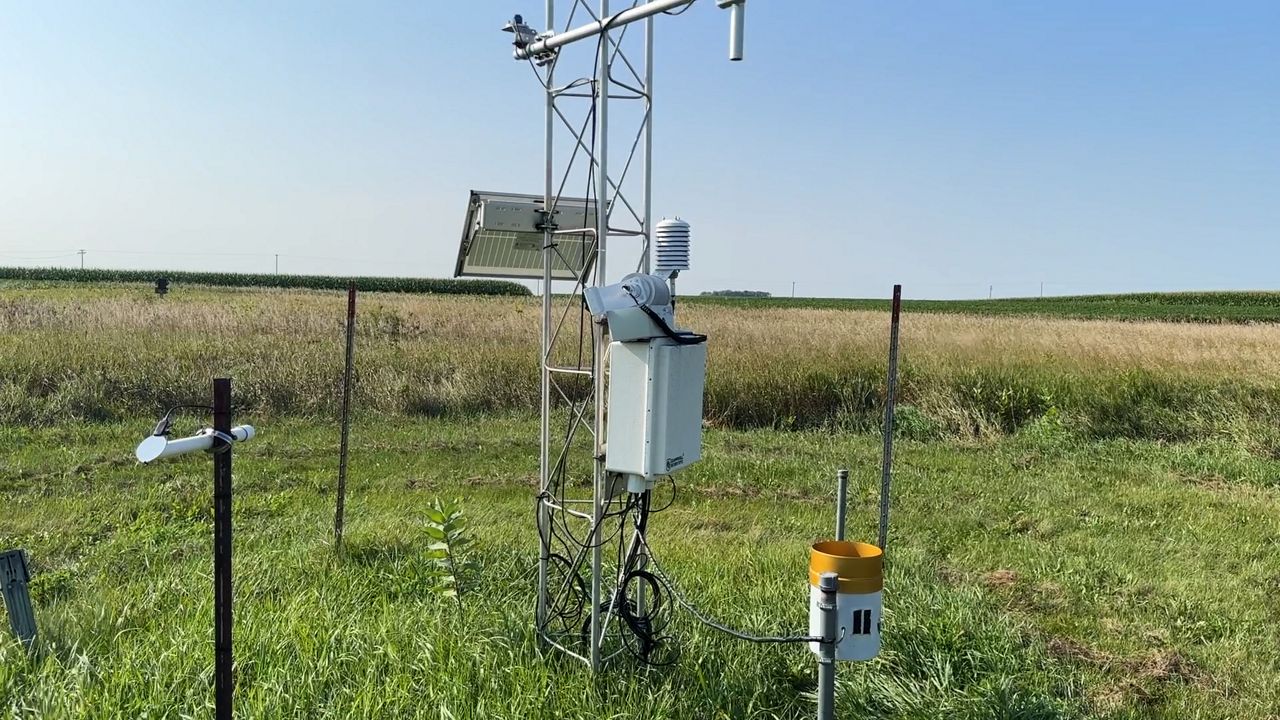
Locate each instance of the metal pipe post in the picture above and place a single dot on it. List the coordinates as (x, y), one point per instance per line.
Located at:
(642, 600)
(346, 417)
(648, 146)
(598, 501)
(828, 586)
(737, 21)
(842, 500)
(544, 467)
(224, 681)
(597, 334)
(891, 399)
(602, 151)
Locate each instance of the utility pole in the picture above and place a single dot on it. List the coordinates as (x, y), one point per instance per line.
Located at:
(991, 291)
(1041, 288)
(277, 263)
(81, 254)
(793, 288)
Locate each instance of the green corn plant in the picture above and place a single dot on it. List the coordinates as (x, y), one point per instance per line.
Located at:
(446, 526)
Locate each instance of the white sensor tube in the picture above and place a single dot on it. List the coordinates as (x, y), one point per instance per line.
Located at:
(158, 446)
(737, 21)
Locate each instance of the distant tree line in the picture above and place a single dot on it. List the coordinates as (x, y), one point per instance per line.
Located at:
(737, 293)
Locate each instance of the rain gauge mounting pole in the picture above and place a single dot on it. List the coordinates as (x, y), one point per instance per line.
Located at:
(612, 100)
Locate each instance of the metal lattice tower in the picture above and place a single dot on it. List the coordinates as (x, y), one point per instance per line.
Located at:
(588, 97)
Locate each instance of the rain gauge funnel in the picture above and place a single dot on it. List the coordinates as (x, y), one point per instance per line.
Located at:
(860, 570)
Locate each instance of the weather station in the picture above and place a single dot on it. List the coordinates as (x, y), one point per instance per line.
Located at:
(622, 380)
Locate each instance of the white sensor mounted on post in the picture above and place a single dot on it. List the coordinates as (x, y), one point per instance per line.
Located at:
(638, 308)
(737, 24)
(156, 447)
(671, 247)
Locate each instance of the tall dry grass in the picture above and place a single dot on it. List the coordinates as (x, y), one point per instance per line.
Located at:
(97, 353)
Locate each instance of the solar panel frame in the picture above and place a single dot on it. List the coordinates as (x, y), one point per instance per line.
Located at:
(515, 253)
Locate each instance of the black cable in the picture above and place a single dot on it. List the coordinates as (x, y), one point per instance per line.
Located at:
(166, 423)
(578, 591)
(586, 544)
(689, 607)
(681, 338)
(681, 11)
(670, 502)
(642, 634)
(568, 616)
(619, 604)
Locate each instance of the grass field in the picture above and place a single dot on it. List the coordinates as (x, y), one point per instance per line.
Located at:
(1085, 520)
(1032, 577)
(1204, 307)
(110, 352)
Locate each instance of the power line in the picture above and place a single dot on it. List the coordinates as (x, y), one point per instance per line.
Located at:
(36, 257)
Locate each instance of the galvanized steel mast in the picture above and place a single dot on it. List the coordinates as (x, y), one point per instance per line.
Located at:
(612, 78)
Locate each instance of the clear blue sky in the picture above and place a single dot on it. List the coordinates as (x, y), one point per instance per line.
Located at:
(1096, 146)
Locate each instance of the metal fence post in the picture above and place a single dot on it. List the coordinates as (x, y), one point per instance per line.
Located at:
(14, 577)
(346, 417)
(891, 401)
(224, 681)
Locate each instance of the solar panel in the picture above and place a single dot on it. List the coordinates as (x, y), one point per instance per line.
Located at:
(502, 237)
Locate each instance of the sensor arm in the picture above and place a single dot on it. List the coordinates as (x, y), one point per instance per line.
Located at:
(158, 446)
(551, 43)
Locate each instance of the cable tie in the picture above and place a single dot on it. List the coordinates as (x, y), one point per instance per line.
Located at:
(224, 437)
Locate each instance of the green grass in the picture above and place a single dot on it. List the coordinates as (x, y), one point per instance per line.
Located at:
(1038, 576)
(107, 352)
(1084, 525)
(1201, 307)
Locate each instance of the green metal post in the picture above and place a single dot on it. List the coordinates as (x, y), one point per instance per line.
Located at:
(14, 577)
